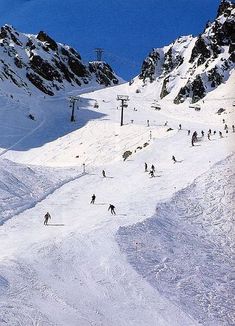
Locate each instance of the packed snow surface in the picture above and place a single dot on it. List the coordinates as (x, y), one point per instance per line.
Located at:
(166, 267)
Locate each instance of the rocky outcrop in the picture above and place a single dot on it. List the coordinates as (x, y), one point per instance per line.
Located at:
(39, 62)
(199, 63)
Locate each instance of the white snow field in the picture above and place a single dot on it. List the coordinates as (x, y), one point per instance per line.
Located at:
(167, 267)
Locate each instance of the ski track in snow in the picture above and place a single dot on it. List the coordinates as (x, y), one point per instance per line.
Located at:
(186, 249)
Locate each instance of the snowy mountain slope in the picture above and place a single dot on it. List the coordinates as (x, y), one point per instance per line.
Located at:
(191, 67)
(88, 267)
(73, 272)
(196, 226)
(37, 61)
(55, 267)
(21, 187)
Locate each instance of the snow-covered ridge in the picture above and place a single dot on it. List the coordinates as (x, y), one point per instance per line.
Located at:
(191, 67)
(37, 61)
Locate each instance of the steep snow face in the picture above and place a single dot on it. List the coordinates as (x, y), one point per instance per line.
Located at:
(21, 187)
(191, 67)
(37, 61)
(185, 250)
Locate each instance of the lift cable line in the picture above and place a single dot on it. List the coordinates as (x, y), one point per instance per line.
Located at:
(123, 99)
(72, 102)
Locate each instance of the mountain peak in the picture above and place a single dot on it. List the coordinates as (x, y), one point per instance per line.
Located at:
(225, 8)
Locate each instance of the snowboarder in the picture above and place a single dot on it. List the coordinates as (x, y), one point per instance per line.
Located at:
(180, 127)
(103, 173)
(93, 197)
(46, 218)
(202, 132)
(174, 159)
(153, 168)
(111, 208)
(145, 167)
(233, 128)
(220, 134)
(151, 173)
(188, 132)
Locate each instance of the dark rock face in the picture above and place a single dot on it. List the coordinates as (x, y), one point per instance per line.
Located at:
(195, 89)
(45, 64)
(214, 77)
(103, 72)
(200, 51)
(149, 66)
(43, 37)
(164, 91)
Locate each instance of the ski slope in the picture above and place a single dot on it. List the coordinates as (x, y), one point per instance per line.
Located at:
(143, 266)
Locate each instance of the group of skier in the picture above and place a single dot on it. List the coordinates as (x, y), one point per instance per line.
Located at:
(152, 168)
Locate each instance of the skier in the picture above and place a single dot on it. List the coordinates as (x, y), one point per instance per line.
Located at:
(188, 132)
(46, 218)
(150, 134)
(194, 138)
(225, 127)
(220, 134)
(103, 173)
(202, 132)
(180, 126)
(153, 168)
(151, 173)
(111, 208)
(147, 123)
(214, 132)
(145, 167)
(209, 136)
(233, 128)
(174, 159)
(165, 124)
(93, 197)
(223, 121)
(209, 131)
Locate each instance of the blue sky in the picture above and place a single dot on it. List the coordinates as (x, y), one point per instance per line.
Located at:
(127, 30)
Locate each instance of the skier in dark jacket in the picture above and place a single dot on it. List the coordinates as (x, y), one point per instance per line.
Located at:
(145, 167)
(93, 197)
(214, 132)
(111, 208)
(188, 132)
(153, 168)
(194, 138)
(174, 159)
(225, 127)
(46, 218)
(209, 131)
(202, 132)
(151, 173)
(103, 173)
(180, 127)
(220, 134)
(233, 128)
